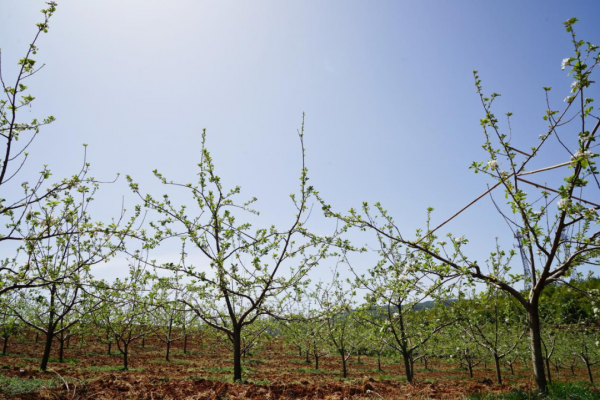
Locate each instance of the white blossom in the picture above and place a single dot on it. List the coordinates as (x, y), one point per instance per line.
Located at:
(565, 62)
(395, 315)
(493, 164)
(563, 203)
(569, 99)
(574, 86)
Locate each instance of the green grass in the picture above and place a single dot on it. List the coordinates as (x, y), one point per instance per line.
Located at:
(196, 378)
(260, 382)
(14, 386)
(219, 369)
(52, 359)
(557, 392)
(300, 362)
(171, 361)
(455, 377)
(65, 360)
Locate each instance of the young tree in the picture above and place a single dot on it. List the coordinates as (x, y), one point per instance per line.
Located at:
(395, 288)
(62, 244)
(9, 323)
(341, 326)
(585, 344)
(487, 323)
(167, 317)
(249, 272)
(125, 312)
(542, 233)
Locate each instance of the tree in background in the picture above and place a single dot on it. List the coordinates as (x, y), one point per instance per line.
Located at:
(9, 323)
(126, 309)
(395, 288)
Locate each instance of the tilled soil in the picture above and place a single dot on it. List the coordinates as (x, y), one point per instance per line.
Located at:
(275, 372)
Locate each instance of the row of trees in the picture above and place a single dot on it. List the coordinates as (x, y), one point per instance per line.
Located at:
(251, 274)
(481, 329)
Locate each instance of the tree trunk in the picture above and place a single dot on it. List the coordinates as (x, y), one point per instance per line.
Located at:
(109, 348)
(589, 370)
(498, 372)
(307, 360)
(407, 366)
(4, 345)
(47, 348)
(512, 369)
(61, 350)
(237, 354)
(379, 362)
(537, 356)
(548, 370)
(425, 362)
(68, 341)
(344, 368)
(316, 362)
(185, 339)
(169, 337)
(125, 351)
(50, 331)
(470, 367)
(300, 351)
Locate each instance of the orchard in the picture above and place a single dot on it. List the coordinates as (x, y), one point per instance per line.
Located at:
(244, 308)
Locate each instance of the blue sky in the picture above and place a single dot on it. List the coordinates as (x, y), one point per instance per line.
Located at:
(391, 109)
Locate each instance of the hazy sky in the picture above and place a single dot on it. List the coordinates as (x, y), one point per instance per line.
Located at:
(391, 109)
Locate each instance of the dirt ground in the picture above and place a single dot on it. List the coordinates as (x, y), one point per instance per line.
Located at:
(274, 372)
